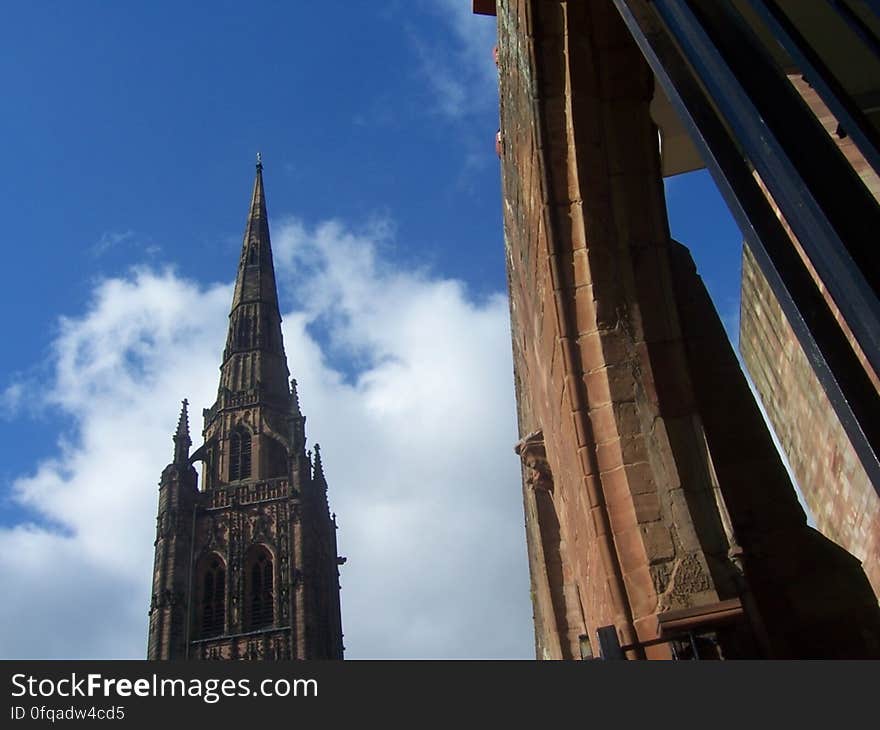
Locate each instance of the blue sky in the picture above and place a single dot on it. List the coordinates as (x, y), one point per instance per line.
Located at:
(130, 131)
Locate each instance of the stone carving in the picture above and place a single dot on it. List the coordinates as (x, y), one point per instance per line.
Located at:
(283, 544)
(212, 534)
(686, 578)
(235, 562)
(534, 458)
(260, 527)
(217, 532)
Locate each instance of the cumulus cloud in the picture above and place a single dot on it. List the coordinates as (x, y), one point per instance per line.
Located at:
(79, 563)
(406, 383)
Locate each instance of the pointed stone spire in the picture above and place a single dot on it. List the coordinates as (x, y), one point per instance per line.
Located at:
(256, 274)
(181, 438)
(254, 356)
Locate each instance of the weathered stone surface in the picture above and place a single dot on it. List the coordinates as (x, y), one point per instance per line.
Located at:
(639, 388)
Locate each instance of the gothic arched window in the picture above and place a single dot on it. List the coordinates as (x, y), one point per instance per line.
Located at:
(259, 596)
(213, 604)
(239, 455)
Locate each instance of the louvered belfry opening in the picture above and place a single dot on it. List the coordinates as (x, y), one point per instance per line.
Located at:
(260, 598)
(213, 598)
(239, 455)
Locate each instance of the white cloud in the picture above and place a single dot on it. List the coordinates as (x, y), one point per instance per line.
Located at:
(417, 445)
(462, 74)
(11, 399)
(111, 239)
(79, 566)
(476, 33)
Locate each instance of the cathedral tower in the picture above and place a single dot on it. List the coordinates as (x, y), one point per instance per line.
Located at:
(246, 566)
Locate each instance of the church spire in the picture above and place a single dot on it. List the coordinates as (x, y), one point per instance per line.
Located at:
(256, 274)
(254, 356)
(262, 510)
(182, 441)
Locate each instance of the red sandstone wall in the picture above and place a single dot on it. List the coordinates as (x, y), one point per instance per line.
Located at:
(595, 336)
(835, 486)
(632, 526)
(837, 490)
(539, 364)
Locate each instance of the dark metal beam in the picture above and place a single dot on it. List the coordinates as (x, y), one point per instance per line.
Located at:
(827, 206)
(851, 393)
(609, 643)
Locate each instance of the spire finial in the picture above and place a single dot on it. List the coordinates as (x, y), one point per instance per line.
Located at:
(259, 160)
(319, 468)
(182, 441)
(294, 398)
